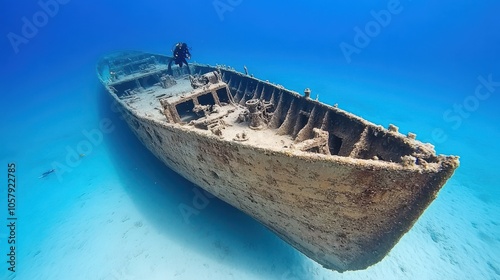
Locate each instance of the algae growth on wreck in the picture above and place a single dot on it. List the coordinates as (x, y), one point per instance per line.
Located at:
(112, 210)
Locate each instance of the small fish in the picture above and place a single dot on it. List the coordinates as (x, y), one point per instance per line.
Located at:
(46, 173)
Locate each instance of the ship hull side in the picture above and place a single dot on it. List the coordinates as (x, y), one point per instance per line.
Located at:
(340, 213)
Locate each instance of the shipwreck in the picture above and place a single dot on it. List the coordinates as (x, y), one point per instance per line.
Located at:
(338, 188)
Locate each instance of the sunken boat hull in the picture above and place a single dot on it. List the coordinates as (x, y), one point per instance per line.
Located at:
(339, 189)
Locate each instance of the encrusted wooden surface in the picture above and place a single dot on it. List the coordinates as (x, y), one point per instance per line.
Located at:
(345, 205)
(344, 213)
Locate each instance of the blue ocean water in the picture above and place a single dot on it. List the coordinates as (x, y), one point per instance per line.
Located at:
(113, 213)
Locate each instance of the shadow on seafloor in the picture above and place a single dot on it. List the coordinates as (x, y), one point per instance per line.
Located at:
(158, 192)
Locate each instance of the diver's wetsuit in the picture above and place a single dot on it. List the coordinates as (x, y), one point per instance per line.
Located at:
(181, 53)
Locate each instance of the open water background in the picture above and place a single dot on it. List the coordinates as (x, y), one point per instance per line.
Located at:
(428, 67)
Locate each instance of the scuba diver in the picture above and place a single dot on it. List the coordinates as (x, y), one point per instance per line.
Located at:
(180, 56)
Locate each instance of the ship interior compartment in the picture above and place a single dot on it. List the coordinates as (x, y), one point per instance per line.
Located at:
(158, 81)
(185, 111)
(302, 119)
(136, 73)
(312, 126)
(132, 65)
(146, 81)
(208, 104)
